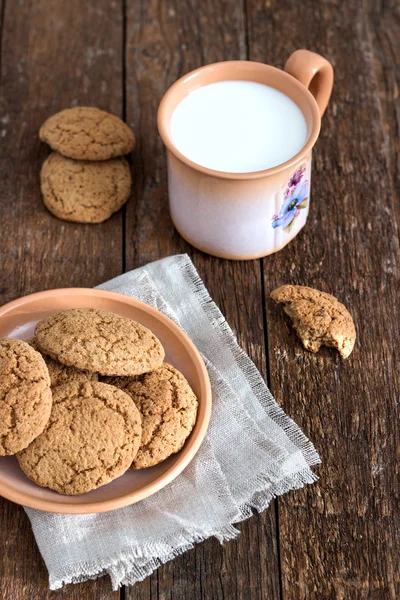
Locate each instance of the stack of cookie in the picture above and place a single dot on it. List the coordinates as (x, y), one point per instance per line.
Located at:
(86, 179)
(88, 398)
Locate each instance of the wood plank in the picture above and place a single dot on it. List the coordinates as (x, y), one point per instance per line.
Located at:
(383, 29)
(338, 538)
(54, 55)
(164, 41)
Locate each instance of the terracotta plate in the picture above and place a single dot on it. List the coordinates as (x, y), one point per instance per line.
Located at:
(18, 320)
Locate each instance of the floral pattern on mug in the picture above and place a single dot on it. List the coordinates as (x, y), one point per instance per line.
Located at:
(294, 200)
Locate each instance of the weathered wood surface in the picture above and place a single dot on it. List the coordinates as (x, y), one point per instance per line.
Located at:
(383, 20)
(336, 539)
(54, 54)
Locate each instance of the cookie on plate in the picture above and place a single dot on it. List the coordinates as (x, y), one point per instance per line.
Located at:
(60, 373)
(25, 395)
(87, 133)
(92, 436)
(84, 192)
(318, 318)
(168, 407)
(100, 341)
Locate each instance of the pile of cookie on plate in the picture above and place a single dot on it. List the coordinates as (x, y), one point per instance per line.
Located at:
(86, 179)
(88, 398)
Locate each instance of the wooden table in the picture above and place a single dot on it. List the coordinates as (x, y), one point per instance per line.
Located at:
(337, 538)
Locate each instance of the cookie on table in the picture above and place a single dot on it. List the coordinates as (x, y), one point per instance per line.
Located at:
(84, 192)
(168, 407)
(60, 373)
(91, 438)
(318, 318)
(25, 395)
(100, 341)
(87, 133)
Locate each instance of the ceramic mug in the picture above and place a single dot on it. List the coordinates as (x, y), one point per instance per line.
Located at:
(246, 215)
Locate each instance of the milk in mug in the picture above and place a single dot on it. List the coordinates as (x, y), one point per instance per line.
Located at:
(238, 127)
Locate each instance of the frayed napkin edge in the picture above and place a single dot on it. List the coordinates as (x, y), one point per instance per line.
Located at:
(124, 571)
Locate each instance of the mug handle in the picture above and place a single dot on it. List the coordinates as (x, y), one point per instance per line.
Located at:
(313, 71)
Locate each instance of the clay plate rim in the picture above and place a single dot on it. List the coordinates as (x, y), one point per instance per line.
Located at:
(187, 453)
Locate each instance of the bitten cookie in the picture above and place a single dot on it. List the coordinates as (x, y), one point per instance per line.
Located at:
(60, 373)
(25, 396)
(319, 318)
(168, 407)
(87, 133)
(92, 436)
(100, 341)
(84, 192)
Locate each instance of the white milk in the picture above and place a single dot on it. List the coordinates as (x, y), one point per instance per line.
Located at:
(238, 127)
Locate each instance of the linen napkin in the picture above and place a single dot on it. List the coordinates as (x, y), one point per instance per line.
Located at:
(252, 452)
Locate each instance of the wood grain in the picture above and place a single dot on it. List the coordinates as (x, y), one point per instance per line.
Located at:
(383, 29)
(164, 41)
(54, 55)
(338, 538)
